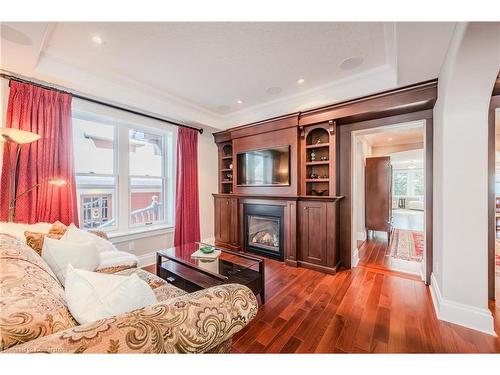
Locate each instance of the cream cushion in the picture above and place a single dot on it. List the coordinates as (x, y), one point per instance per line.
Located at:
(92, 296)
(17, 230)
(74, 234)
(59, 254)
(116, 258)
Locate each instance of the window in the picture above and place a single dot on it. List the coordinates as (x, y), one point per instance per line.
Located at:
(123, 174)
(94, 150)
(400, 183)
(408, 183)
(418, 183)
(96, 210)
(147, 178)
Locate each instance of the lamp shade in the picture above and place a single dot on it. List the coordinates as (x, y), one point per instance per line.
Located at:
(18, 136)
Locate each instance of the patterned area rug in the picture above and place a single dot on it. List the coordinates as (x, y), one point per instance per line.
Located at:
(407, 245)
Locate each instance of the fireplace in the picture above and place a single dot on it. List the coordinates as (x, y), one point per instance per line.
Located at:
(264, 233)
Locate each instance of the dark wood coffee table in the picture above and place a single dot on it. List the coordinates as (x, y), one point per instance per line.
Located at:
(176, 266)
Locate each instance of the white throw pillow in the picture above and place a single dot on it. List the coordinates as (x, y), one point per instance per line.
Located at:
(92, 296)
(74, 234)
(58, 254)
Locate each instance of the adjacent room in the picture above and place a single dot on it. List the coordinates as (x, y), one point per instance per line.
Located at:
(392, 160)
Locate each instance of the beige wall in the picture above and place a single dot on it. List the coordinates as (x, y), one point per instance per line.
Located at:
(459, 282)
(361, 151)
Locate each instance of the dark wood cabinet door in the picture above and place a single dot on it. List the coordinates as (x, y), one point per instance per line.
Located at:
(226, 221)
(233, 224)
(312, 232)
(378, 197)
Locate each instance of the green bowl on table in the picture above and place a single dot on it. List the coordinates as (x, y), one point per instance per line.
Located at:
(207, 249)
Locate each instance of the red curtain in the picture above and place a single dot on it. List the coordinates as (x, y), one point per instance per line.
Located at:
(187, 212)
(47, 113)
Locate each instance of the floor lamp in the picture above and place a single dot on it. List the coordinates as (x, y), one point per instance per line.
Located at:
(16, 138)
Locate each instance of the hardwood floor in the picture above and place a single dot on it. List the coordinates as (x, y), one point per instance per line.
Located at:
(368, 309)
(376, 254)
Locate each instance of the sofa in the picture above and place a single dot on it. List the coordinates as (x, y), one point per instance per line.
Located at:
(34, 317)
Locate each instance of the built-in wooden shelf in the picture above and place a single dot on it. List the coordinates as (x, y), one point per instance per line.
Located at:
(317, 179)
(226, 172)
(318, 145)
(320, 162)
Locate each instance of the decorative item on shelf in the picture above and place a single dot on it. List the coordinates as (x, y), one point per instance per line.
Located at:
(318, 141)
(324, 158)
(314, 175)
(324, 176)
(313, 156)
(319, 192)
(229, 176)
(231, 166)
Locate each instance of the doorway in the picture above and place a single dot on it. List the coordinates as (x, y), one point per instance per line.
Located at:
(494, 256)
(403, 146)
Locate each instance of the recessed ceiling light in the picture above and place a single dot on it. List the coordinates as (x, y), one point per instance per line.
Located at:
(97, 39)
(351, 63)
(300, 81)
(389, 139)
(239, 101)
(274, 90)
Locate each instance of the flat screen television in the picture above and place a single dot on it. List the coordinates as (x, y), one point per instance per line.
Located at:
(267, 167)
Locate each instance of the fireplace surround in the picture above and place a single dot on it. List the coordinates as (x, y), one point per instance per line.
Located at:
(264, 230)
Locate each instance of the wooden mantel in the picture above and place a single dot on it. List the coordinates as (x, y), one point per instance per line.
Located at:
(277, 197)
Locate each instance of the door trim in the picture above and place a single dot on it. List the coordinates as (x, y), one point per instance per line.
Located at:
(344, 179)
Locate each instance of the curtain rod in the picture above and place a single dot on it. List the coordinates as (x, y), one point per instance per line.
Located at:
(96, 101)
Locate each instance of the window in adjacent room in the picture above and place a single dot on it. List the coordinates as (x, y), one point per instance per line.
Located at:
(408, 183)
(400, 183)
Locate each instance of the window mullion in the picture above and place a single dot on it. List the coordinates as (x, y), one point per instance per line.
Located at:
(122, 164)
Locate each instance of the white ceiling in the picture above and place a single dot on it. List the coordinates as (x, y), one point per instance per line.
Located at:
(408, 159)
(397, 136)
(196, 72)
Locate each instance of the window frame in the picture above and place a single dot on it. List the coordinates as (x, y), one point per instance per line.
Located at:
(163, 178)
(121, 207)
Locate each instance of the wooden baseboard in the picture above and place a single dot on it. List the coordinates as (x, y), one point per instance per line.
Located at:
(317, 267)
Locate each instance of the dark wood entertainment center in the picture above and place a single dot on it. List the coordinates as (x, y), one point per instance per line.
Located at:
(316, 204)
